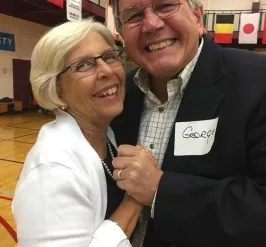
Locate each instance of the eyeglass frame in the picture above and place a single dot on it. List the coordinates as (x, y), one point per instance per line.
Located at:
(94, 61)
(152, 6)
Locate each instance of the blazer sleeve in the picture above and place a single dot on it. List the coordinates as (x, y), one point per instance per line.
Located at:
(51, 209)
(229, 212)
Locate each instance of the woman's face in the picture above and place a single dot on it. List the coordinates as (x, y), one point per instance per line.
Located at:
(95, 93)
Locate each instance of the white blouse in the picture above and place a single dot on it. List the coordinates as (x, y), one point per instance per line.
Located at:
(61, 196)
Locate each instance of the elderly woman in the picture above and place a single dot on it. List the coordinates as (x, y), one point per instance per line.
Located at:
(61, 195)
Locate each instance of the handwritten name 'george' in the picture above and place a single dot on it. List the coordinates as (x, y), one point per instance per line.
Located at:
(205, 134)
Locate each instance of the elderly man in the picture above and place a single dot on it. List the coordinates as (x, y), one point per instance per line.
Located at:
(201, 110)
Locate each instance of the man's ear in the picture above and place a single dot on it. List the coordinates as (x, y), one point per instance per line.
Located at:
(198, 12)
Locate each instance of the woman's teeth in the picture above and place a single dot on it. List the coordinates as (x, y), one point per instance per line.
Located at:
(107, 92)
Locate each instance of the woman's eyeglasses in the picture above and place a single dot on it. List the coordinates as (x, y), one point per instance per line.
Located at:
(88, 65)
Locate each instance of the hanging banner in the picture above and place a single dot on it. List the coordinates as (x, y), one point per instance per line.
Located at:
(249, 26)
(7, 42)
(224, 28)
(264, 31)
(110, 21)
(74, 10)
(205, 20)
(59, 3)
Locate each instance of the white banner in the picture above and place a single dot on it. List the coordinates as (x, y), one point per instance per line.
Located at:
(74, 10)
(248, 31)
(110, 21)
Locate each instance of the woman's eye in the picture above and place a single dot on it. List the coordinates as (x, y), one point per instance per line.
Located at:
(111, 57)
(84, 66)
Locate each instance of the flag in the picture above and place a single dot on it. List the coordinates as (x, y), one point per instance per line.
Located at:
(249, 26)
(205, 21)
(264, 31)
(59, 3)
(224, 28)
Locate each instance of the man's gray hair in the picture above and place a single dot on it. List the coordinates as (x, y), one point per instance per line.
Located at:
(115, 4)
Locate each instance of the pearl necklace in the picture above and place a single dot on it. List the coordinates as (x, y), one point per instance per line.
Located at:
(105, 165)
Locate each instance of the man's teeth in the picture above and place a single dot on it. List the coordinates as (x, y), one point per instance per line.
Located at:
(107, 92)
(161, 45)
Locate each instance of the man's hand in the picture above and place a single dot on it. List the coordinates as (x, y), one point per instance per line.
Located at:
(137, 173)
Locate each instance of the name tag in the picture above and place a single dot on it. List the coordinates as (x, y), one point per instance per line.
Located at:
(194, 138)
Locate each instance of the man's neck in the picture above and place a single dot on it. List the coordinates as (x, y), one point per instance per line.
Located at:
(158, 87)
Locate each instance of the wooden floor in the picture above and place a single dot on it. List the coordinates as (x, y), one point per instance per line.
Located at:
(18, 133)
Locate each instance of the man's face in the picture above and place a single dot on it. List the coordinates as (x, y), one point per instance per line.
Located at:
(162, 46)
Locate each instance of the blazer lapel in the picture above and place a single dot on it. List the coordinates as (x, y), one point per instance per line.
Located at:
(126, 128)
(126, 125)
(201, 99)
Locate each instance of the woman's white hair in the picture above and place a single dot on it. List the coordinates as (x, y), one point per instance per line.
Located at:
(115, 4)
(49, 55)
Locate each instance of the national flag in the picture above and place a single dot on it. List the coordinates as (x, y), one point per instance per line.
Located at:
(205, 21)
(264, 31)
(224, 28)
(249, 26)
(59, 3)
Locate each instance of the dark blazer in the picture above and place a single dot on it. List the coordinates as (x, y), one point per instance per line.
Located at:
(216, 199)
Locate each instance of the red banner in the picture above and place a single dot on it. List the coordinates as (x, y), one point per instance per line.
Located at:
(59, 3)
(264, 31)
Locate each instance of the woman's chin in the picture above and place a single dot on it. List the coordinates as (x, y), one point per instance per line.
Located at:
(113, 112)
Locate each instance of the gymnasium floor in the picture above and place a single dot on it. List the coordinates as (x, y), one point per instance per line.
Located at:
(18, 133)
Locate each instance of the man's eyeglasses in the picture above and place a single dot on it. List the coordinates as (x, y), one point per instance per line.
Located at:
(88, 65)
(134, 15)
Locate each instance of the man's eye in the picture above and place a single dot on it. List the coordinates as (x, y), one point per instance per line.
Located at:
(84, 66)
(164, 8)
(135, 18)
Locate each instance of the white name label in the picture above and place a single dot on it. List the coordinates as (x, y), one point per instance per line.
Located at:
(194, 138)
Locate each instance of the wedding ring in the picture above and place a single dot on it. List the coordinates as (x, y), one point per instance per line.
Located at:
(119, 175)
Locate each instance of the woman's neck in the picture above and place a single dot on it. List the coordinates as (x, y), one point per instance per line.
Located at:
(95, 134)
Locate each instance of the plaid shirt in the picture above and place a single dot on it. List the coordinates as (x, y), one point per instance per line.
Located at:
(156, 124)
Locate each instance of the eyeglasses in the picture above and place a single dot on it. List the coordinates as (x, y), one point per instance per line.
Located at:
(134, 15)
(88, 65)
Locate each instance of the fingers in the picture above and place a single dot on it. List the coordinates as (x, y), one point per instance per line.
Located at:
(129, 170)
(136, 172)
(149, 153)
(143, 149)
(127, 151)
(127, 154)
(131, 151)
(121, 184)
(122, 162)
